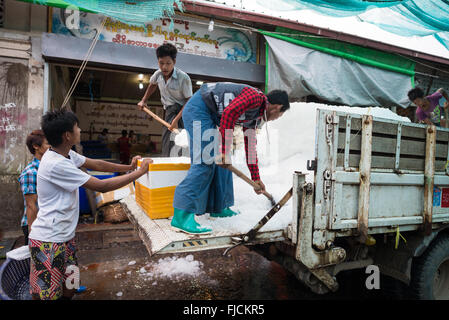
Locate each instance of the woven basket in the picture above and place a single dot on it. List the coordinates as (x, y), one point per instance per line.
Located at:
(114, 213)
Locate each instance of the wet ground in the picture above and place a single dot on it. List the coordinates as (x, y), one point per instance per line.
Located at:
(114, 265)
(244, 275)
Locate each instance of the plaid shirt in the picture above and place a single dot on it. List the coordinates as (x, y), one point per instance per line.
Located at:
(28, 184)
(249, 98)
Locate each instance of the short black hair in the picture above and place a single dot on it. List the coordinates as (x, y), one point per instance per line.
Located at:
(279, 97)
(415, 93)
(105, 130)
(56, 123)
(166, 50)
(124, 133)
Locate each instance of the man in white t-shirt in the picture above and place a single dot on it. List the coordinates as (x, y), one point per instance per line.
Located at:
(51, 239)
(175, 88)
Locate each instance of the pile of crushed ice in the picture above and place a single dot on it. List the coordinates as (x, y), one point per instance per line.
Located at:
(172, 267)
(291, 143)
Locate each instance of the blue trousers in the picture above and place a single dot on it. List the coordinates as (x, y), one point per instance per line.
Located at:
(207, 187)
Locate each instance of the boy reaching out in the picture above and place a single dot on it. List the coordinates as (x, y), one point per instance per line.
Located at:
(429, 110)
(51, 239)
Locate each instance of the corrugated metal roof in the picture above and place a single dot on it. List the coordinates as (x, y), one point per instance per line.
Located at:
(237, 11)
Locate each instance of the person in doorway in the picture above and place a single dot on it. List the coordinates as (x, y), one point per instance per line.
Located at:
(208, 186)
(151, 146)
(38, 145)
(132, 137)
(103, 136)
(51, 240)
(429, 110)
(124, 147)
(175, 88)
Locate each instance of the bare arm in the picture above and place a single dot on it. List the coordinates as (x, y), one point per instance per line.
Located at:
(105, 166)
(187, 93)
(31, 210)
(115, 183)
(150, 90)
(427, 121)
(174, 123)
(444, 94)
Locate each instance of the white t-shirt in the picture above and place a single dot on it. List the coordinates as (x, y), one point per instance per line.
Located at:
(58, 180)
(178, 89)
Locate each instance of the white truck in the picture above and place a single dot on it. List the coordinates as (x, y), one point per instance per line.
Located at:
(380, 197)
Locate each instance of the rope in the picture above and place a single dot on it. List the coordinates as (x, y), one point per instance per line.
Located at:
(83, 64)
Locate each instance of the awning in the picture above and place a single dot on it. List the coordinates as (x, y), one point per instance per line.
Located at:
(302, 70)
(58, 48)
(357, 53)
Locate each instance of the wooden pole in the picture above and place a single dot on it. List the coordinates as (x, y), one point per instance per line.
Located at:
(160, 120)
(249, 181)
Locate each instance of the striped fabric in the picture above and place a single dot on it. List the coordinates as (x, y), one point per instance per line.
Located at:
(49, 262)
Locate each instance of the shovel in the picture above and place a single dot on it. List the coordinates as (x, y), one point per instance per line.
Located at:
(249, 181)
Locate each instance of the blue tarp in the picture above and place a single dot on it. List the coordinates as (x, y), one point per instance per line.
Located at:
(405, 18)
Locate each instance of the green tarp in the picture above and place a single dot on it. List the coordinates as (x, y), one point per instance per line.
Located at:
(363, 55)
(57, 4)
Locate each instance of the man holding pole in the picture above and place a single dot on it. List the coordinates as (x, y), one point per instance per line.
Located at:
(175, 88)
(208, 186)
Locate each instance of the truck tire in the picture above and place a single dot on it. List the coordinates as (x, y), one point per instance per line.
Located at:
(430, 272)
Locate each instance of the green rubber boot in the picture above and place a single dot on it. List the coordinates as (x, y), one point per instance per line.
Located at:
(185, 221)
(226, 212)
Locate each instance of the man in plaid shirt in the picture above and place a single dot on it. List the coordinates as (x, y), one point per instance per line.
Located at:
(208, 186)
(38, 145)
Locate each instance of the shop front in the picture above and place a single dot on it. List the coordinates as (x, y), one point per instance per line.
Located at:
(122, 61)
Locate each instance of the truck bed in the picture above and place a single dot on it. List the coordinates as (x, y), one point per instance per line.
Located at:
(160, 238)
(376, 176)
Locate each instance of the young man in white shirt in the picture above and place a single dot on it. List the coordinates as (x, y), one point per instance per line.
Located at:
(175, 88)
(51, 239)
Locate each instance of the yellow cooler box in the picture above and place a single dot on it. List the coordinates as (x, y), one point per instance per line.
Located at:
(155, 190)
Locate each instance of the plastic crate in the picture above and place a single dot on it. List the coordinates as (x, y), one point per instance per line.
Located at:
(15, 280)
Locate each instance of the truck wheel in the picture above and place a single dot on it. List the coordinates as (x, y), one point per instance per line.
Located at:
(430, 272)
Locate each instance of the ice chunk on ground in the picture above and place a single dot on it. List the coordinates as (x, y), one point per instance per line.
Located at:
(177, 266)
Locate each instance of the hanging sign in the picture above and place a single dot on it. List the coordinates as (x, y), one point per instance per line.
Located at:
(189, 36)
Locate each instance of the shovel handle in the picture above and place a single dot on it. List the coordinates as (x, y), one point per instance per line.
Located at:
(159, 119)
(249, 181)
